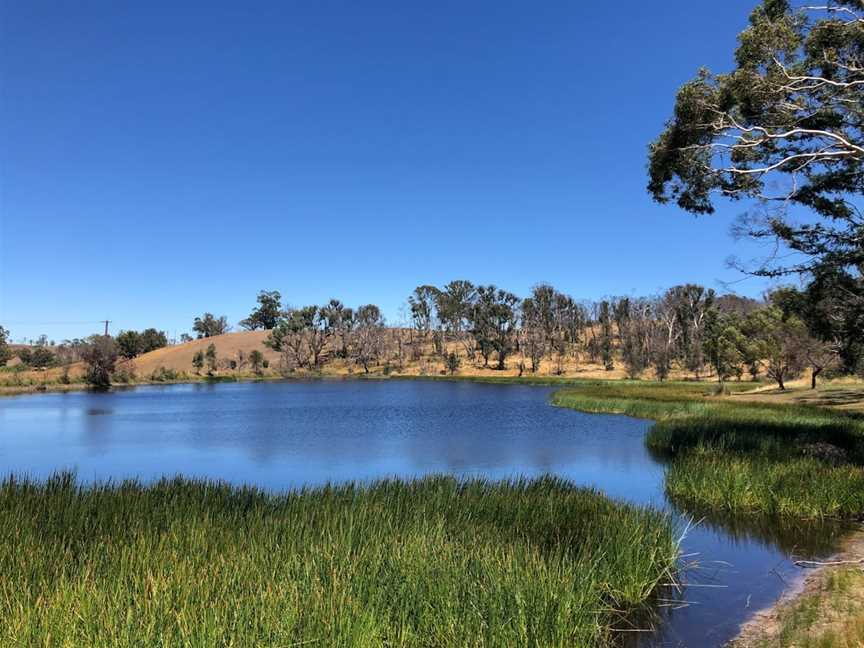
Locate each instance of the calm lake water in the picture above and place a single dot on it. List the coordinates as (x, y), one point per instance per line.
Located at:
(282, 435)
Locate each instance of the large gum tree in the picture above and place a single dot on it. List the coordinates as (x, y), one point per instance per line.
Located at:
(783, 130)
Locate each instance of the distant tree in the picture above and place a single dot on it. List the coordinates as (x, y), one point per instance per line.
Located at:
(25, 355)
(368, 339)
(210, 354)
(532, 337)
(453, 306)
(422, 303)
(784, 342)
(665, 336)
(295, 337)
(129, 344)
(494, 320)
(267, 314)
(41, 355)
(185, 337)
(751, 347)
(198, 361)
(100, 355)
(256, 359)
(338, 321)
(5, 351)
(209, 326)
(692, 304)
(319, 333)
(723, 343)
(606, 336)
(132, 343)
(635, 334)
(453, 363)
(151, 339)
(828, 343)
(66, 354)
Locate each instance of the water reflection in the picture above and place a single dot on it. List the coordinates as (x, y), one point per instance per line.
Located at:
(285, 435)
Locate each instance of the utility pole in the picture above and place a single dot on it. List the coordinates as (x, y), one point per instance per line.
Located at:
(106, 326)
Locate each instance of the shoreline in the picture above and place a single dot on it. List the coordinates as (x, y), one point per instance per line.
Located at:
(766, 625)
(548, 381)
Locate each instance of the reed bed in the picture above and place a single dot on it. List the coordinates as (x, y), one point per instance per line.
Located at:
(740, 457)
(434, 562)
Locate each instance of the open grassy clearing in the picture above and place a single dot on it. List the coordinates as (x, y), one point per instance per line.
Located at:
(434, 562)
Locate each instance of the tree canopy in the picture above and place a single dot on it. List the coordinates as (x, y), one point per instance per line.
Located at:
(783, 128)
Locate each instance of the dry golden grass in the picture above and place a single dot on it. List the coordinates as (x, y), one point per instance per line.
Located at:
(230, 346)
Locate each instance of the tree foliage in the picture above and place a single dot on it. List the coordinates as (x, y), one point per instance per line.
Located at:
(267, 314)
(209, 325)
(100, 354)
(784, 129)
(5, 350)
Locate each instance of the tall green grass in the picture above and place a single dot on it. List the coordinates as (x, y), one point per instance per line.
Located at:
(739, 457)
(436, 562)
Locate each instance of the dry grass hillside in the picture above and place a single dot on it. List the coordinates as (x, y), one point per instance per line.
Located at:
(237, 346)
(231, 346)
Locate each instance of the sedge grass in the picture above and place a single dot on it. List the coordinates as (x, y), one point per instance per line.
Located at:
(740, 457)
(436, 562)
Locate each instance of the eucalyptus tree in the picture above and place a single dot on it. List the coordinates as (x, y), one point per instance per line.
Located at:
(338, 321)
(692, 304)
(210, 355)
(606, 342)
(268, 312)
(783, 343)
(422, 304)
(198, 361)
(369, 338)
(5, 351)
(494, 320)
(635, 333)
(532, 338)
(100, 355)
(291, 337)
(256, 360)
(208, 325)
(665, 335)
(785, 131)
(129, 344)
(453, 307)
(723, 344)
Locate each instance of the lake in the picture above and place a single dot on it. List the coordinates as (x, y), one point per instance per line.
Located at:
(283, 435)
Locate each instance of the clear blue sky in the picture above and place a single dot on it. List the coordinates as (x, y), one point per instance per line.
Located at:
(160, 159)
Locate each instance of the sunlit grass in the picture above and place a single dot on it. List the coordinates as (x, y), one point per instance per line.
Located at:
(830, 617)
(435, 562)
(740, 457)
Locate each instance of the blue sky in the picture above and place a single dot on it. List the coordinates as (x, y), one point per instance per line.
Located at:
(160, 159)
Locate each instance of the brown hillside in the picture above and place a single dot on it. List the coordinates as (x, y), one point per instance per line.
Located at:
(228, 347)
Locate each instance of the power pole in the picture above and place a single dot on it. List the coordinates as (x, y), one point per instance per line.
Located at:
(106, 326)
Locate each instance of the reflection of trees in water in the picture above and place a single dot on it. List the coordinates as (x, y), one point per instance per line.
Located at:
(794, 537)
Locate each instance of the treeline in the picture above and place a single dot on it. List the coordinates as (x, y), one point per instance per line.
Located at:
(688, 328)
(41, 354)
